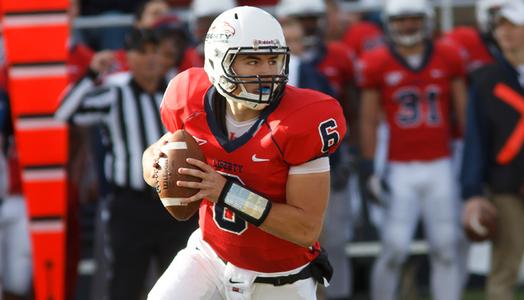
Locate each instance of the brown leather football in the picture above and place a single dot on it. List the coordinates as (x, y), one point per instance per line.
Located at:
(181, 146)
(480, 220)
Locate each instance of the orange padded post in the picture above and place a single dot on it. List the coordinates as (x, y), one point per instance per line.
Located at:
(35, 35)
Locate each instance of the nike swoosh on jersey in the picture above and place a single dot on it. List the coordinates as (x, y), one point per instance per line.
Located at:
(257, 159)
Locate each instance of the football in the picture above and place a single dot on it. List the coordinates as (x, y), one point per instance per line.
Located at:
(181, 146)
(480, 220)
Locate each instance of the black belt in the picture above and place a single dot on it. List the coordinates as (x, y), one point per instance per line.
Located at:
(305, 273)
(319, 269)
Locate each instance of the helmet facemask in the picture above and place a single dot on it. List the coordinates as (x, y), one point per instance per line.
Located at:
(247, 32)
(240, 87)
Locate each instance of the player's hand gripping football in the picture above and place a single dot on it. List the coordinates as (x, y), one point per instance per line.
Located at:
(211, 185)
(157, 154)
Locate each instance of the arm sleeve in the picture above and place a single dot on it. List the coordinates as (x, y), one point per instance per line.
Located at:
(474, 161)
(85, 104)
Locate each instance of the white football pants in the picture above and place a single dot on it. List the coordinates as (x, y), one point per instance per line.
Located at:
(427, 190)
(197, 273)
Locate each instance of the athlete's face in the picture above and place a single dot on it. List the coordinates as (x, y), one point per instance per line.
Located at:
(509, 36)
(258, 65)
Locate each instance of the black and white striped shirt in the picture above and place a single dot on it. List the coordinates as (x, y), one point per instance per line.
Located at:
(130, 116)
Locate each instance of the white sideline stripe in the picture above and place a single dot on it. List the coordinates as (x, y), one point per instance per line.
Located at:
(22, 72)
(47, 226)
(39, 124)
(358, 249)
(35, 20)
(44, 175)
(371, 249)
(173, 146)
(172, 202)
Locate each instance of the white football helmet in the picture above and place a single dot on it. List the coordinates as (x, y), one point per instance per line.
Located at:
(409, 8)
(486, 11)
(206, 8)
(289, 8)
(245, 30)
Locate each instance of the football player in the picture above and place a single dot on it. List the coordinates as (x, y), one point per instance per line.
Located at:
(265, 181)
(414, 82)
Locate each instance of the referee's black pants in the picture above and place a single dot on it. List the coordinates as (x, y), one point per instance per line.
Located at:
(141, 232)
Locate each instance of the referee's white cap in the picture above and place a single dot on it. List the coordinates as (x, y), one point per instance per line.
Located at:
(513, 11)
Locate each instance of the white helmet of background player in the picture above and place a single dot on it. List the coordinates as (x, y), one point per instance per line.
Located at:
(486, 11)
(409, 8)
(245, 30)
(207, 8)
(289, 8)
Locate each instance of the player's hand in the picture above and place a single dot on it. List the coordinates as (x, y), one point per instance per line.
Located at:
(373, 188)
(102, 61)
(211, 185)
(377, 189)
(157, 154)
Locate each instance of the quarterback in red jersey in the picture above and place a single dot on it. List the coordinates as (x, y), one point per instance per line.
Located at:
(265, 183)
(414, 82)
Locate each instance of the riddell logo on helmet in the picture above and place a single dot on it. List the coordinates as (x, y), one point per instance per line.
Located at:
(258, 43)
(223, 31)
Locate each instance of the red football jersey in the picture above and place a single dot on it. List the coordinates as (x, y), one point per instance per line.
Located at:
(476, 54)
(362, 37)
(337, 65)
(416, 102)
(303, 126)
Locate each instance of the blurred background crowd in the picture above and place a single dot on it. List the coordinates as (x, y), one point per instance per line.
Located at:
(405, 73)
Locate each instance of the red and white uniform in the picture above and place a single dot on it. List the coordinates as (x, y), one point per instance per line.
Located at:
(475, 51)
(303, 126)
(416, 102)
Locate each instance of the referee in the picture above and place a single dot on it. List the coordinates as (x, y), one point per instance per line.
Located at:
(128, 110)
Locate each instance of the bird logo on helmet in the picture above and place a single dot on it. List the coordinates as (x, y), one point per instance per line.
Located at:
(245, 30)
(397, 9)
